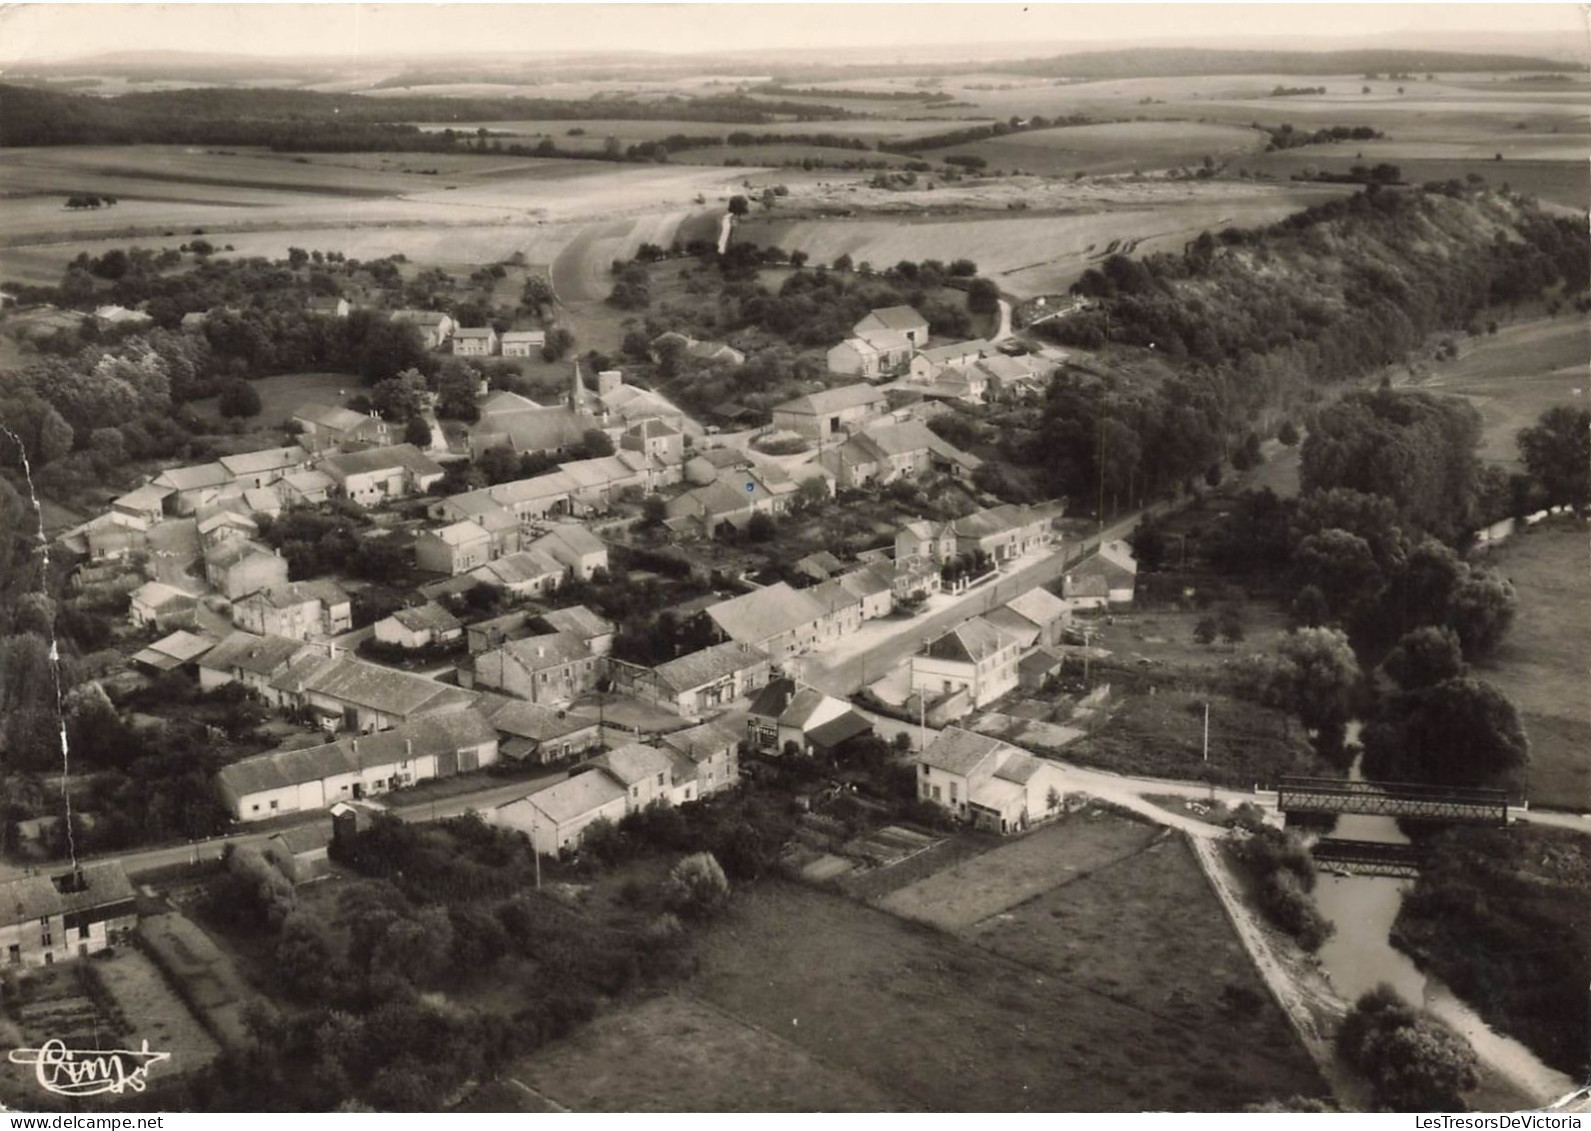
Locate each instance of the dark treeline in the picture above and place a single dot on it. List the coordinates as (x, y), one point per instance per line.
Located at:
(1285, 136)
(984, 133)
(283, 119)
(1163, 61)
(774, 88)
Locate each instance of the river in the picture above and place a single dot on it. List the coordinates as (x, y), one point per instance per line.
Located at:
(1360, 955)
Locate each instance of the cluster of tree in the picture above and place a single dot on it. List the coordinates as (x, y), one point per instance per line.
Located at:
(1403, 265)
(1282, 874)
(780, 90)
(1285, 136)
(650, 639)
(1280, 91)
(89, 201)
(310, 121)
(1413, 1060)
(631, 286)
(319, 541)
(971, 134)
(745, 832)
(1556, 451)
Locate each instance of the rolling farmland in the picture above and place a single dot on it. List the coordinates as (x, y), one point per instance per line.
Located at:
(1116, 148)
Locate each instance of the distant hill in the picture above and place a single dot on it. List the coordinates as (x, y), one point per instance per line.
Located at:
(1169, 61)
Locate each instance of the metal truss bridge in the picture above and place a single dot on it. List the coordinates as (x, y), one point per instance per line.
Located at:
(1392, 799)
(1367, 858)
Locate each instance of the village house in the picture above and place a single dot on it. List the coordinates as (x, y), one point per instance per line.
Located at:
(530, 732)
(780, 621)
(842, 609)
(697, 683)
(528, 573)
(353, 767)
(375, 475)
(221, 525)
(871, 354)
(883, 453)
(302, 853)
(551, 669)
(525, 426)
(831, 413)
(324, 427)
(192, 486)
(523, 343)
(484, 635)
(1009, 377)
(657, 439)
(240, 567)
(989, 783)
(146, 503)
(702, 511)
(928, 364)
(536, 497)
(1035, 617)
(346, 693)
(253, 661)
(975, 657)
(597, 483)
(479, 507)
(73, 913)
(706, 466)
(783, 715)
(435, 327)
(1005, 532)
(715, 751)
(329, 306)
(474, 341)
(261, 469)
(556, 817)
(419, 626)
(1108, 577)
(873, 586)
(454, 549)
(109, 537)
(579, 621)
(158, 604)
(298, 610)
(649, 774)
(305, 488)
(902, 320)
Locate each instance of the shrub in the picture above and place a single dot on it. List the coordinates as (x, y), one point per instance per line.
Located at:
(697, 887)
(239, 400)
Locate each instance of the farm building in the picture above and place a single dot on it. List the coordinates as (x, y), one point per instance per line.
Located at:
(375, 475)
(715, 751)
(302, 487)
(179, 650)
(356, 766)
(301, 853)
(239, 567)
(577, 620)
(927, 364)
(454, 549)
(475, 341)
(529, 573)
(1005, 532)
(530, 732)
(146, 502)
(557, 816)
(1106, 578)
(71, 914)
(254, 661)
(158, 604)
(873, 586)
(989, 783)
(191, 486)
(350, 694)
(833, 412)
(575, 548)
(903, 320)
(697, 683)
(435, 327)
(261, 469)
(323, 427)
(419, 626)
(1037, 617)
(551, 668)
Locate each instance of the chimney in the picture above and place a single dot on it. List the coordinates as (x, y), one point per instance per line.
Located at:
(408, 748)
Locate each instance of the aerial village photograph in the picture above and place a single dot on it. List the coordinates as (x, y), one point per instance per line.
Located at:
(795, 558)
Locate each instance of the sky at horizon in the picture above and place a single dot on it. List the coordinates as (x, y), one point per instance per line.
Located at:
(41, 32)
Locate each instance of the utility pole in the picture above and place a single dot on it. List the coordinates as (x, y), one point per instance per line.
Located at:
(1206, 732)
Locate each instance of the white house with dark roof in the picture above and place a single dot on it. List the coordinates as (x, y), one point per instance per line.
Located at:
(833, 412)
(648, 773)
(1037, 614)
(975, 657)
(577, 620)
(300, 488)
(990, 783)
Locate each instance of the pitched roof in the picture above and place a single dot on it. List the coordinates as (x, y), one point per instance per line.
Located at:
(839, 729)
(832, 596)
(271, 459)
(996, 520)
(324, 590)
(569, 543)
(577, 620)
(941, 355)
(896, 318)
(802, 706)
(712, 663)
(194, 478)
(528, 337)
(969, 642)
(229, 554)
(1040, 661)
(157, 595)
(142, 498)
(1038, 605)
(958, 751)
(226, 518)
(459, 533)
(518, 568)
(549, 650)
(773, 699)
(332, 417)
(869, 581)
(651, 429)
(429, 617)
(31, 898)
(714, 499)
(278, 769)
(765, 613)
(531, 720)
(302, 839)
(551, 485)
(259, 655)
(832, 400)
(633, 763)
(699, 743)
(535, 429)
(485, 333)
(822, 561)
(571, 798)
(308, 482)
(1114, 574)
(1015, 625)
(170, 652)
(406, 456)
(377, 688)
